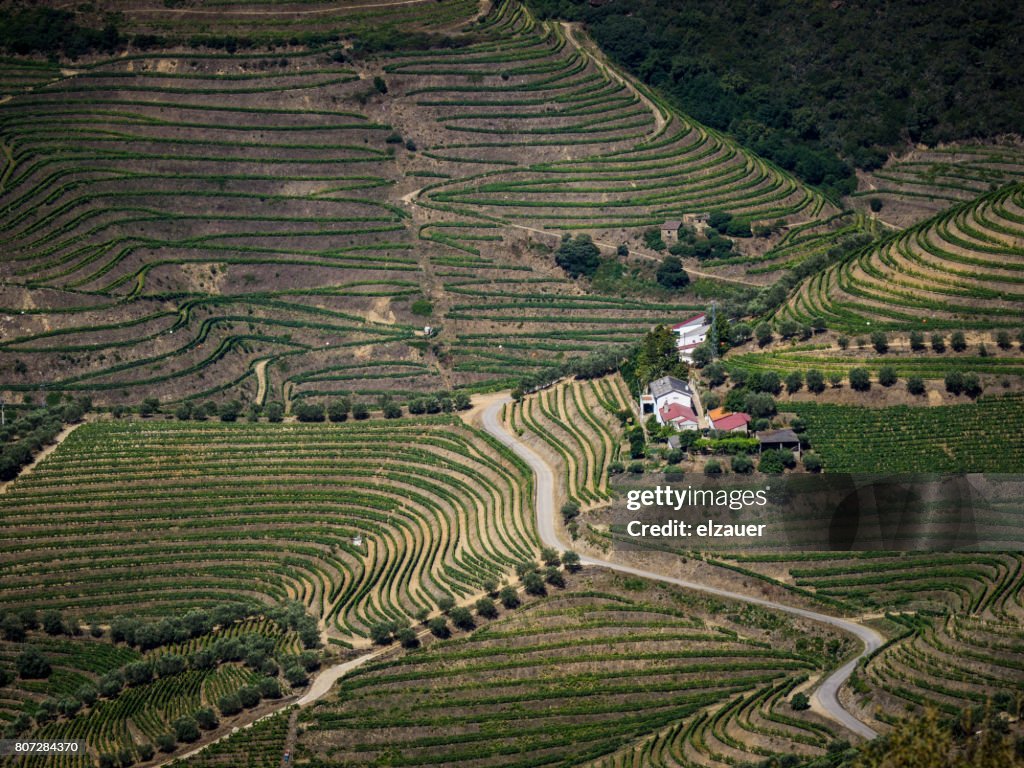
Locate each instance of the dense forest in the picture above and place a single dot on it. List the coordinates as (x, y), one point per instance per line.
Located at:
(28, 30)
(821, 85)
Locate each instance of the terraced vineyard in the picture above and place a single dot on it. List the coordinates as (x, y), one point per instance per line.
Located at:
(213, 211)
(259, 746)
(240, 226)
(267, 22)
(927, 181)
(539, 90)
(987, 436)
(266, 513)
(748, 729)
(958, 623)
(124, 720)
(925, 365)
(573, 422)
(575, 676)
(960, 269)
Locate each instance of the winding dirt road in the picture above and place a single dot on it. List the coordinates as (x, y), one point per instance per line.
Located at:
(825, 698)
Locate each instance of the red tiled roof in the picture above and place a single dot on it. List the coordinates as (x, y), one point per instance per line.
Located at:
(675, 411)
(689, 346)
(701, 316)
(730, 422)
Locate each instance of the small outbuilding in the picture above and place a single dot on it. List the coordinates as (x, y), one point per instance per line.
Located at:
(670, 231)
(774, 439)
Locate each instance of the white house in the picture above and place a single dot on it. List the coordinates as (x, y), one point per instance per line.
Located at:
(679, 416)
(690, 334)
(670, 400)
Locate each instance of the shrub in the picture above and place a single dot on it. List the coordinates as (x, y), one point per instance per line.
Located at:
(671, 274)
(337, 410)
(462, 618)
(438, 627)
(380, 632)
(229, 704)
(509, 597)
(771, 463)
(275, 412)
(880, 342)
(741, 464)
(740, 333)
(446, 603)
(230, 411)
(407, 637)
(570, 510)
(533, 582)
(170, 664)
(1003, 340)
(794, 381)
(309, 412)
(166, 742)
(571, 561)
(815, 381)
(972, 385)
(636, 468)
(360, 412)
(86, 693)
(578, 257)
(800, 702)
(915, 385)
(789, 328)
(938, 343)
(860, 379)
(768, 381)
(249, 696)
(887, 376)
(486, 607)
(52, 623)
(550, 556)
(843, 342)
(206, 719)
(422, 307)
(652, 239)
(138, 673)
(759, 405)
(957, 341)
(32, 665)
(763, 332)
(186, 729)
(812, 462)
(713, 468)
(295, 675)
(954, 382)
(916, 341)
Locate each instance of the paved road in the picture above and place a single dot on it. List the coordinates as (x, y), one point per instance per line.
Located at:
(825, 697)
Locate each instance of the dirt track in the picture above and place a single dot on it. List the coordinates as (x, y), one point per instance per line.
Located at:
(825, 698)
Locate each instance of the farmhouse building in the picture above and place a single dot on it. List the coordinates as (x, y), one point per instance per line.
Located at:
(670, 231)
(679, 416)
(670, 401)
(774, 439)
(724, 421)
(690, 334)
(698, 221)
